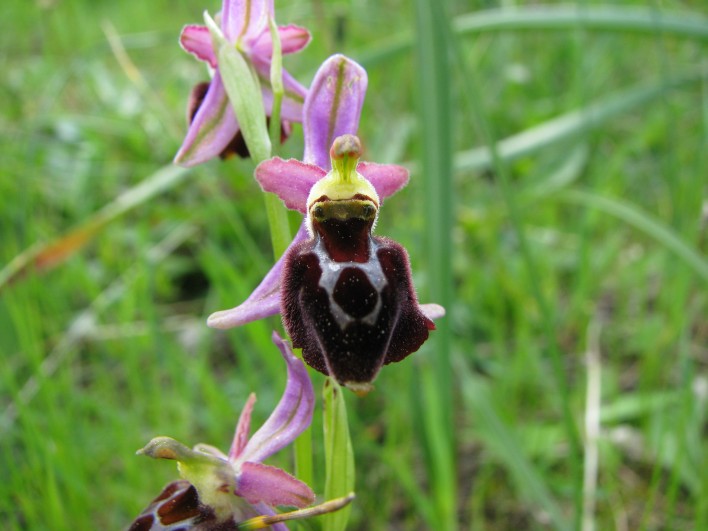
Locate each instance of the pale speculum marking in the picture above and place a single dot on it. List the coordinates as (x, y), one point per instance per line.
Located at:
(331, 272)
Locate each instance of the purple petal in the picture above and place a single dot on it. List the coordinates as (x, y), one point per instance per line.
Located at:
(213, 127)
(292, 414)
(262, 483)
(243, 428)
(432, 311)
(197, 41)
(291, 180)
(292, 39)
(244, 18)
(386, 178)
(263, 302)
(332, 107)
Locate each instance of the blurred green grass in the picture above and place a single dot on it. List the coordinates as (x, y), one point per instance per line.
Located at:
(591, 242)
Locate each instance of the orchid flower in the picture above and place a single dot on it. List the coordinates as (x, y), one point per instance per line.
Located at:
(220, 490)
(347, 296)
(332, 108)
(245, 23)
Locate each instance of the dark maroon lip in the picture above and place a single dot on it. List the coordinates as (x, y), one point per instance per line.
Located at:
(351, 317)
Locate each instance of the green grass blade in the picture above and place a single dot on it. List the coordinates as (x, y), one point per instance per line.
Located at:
(44, 256)
(568, 17)
(503, 442)
(548, 315)
(563, 17)
(642, 221)
(435, 122)
(572, 124)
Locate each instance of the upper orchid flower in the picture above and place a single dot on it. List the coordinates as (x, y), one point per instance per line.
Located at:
(245, 23)
(346, 296)
(221, 490)
(332, 108)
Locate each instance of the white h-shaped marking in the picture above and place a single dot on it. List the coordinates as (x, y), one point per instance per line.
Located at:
(330, 275)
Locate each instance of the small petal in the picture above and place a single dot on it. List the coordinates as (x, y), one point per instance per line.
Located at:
(197, 41)
(213, 127)
(234, 23)
(291, 416)
(254, 308)
(332, 107)
(386, 178)
(291, 180)
(432, 311)
(262, 483)
(243, 428)
(292, 39)
(263, 302)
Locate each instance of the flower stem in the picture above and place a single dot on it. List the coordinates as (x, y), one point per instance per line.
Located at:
(339, 455)
(280, 229)
(280, 235)
(242, 85)
(276, 82)
(277, 216)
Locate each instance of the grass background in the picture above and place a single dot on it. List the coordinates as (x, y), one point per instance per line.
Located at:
(557, 207)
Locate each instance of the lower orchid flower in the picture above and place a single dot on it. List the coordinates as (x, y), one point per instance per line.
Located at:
(221, 491)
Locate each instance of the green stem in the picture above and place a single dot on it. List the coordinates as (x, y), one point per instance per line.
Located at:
(277, 216)
(244, 90)
(280, 235)
(339, 455)
(280, 229)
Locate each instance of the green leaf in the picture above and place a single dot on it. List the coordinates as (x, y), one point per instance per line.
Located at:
(626, 19)
(571, 124)
(435, 114)
(503, 441)
(44, 256)
(644, 222)
(339, 456)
